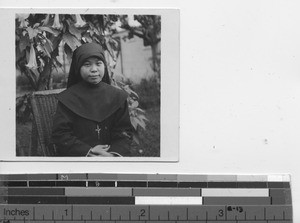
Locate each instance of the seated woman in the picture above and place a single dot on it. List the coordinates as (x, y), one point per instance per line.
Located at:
(92, 117)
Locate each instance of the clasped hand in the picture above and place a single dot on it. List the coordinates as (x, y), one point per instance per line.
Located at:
(100, 150)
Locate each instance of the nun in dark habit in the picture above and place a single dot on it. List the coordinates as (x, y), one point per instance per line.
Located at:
(92, 117)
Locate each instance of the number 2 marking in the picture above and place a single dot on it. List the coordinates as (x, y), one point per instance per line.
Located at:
(143, 211)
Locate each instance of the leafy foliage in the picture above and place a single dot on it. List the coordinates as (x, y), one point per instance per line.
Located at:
(39, 38)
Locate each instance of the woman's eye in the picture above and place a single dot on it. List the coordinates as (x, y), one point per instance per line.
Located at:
(99, 63)
(86, 64)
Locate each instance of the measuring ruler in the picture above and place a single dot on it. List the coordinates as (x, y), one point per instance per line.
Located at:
(146, 198)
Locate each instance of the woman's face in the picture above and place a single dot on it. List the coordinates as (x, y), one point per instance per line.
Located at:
(92, 70)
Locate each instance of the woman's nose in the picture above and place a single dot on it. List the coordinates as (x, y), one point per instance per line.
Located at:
(93, 67)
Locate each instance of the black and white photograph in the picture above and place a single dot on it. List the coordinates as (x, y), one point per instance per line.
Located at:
(89, 85)
(196, 103)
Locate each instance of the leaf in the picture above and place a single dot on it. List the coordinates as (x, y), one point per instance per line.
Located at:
(44, 50)
(46, 20)
(32, 32)
(42, 63)
(134, 94)
(36, 73)
(24, 42)
(130, 92)
(113, 44)
(109, 49)
(36, 25)
(57, 63)
(91, 32)
(55, 40)
(142, 117)
(20, 55)
(140, 122)
(27, 54)
(87, 37)
(73, 30)
(134, 122)
(71, 40)
(135, 104)
(49, 30)
(48, 46)
(68, 52)
(141, 110)
(136, 138)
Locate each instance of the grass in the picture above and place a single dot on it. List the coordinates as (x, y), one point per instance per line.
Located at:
(149, 139)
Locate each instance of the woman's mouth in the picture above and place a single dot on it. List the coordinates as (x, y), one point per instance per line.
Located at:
(94, 77)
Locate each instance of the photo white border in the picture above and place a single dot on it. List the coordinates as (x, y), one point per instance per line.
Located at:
(169, 122)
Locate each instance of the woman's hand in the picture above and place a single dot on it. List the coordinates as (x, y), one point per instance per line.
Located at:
(100, 150)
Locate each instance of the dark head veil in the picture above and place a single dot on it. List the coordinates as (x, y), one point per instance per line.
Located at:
(79, 56)
(94, 103)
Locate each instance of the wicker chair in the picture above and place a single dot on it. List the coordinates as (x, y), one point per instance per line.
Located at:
(43, 105)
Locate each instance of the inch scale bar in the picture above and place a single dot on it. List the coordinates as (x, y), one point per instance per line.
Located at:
(146, 213)
(145, 198)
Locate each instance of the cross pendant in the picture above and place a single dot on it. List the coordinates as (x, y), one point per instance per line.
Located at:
(98, 131)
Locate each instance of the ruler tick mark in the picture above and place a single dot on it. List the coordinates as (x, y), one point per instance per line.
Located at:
(187, 213)
(72, 212)
(271, 200)
(33, 213)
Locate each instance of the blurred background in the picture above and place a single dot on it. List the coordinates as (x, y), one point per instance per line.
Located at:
(44, 47)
